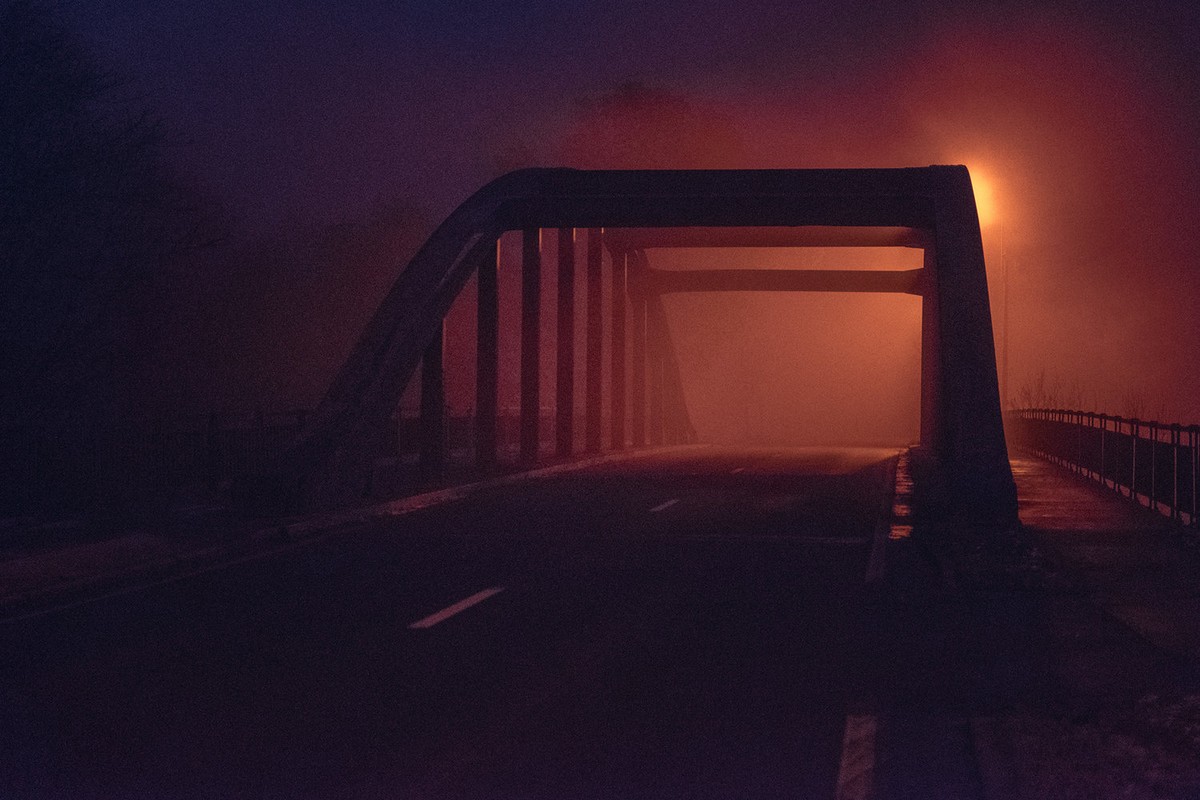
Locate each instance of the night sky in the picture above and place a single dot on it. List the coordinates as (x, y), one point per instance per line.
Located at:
(1081, 121)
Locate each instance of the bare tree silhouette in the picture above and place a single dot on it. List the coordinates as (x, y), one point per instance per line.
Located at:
(91, 215)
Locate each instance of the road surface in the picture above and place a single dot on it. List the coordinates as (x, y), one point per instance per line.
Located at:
(706, 624)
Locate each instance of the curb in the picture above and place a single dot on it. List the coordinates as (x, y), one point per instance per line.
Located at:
(279, 537)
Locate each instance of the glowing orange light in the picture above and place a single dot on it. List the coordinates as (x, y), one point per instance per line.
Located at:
(985, 199)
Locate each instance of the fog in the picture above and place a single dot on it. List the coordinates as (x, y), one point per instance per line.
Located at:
(1086, 179)
(808, 368)
(1079, 130)
(763, 368)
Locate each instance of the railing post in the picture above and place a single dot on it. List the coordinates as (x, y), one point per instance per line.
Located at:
(1175, 440)
(1103, 428)
(1133, 435)
(487, 360)
(564, 405)
(595, 341)
(1082, 433)
(433, 405)
(1098, 464)
(1078, 417)
(1154, 466)
(531, 323)
(617, 351)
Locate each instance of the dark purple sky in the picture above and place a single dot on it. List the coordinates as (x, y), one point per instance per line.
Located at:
(316, 108)
(1084, 119)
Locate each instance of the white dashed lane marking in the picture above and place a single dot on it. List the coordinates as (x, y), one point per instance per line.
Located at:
(856, 772)
(664, 506)
(449, 611)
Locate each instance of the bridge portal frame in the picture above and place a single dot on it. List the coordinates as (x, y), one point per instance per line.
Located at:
(916, 282)
(962, 428)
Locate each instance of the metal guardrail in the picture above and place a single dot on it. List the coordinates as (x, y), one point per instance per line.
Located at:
(82, 465)
(1154, 463)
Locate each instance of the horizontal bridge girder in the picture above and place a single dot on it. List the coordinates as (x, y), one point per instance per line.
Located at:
(895, 198)
(794, 236)
(664, 281)
(682, 211)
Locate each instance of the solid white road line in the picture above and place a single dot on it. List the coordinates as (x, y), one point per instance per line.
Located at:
(856, 772)
(449, 611)
(664, 506)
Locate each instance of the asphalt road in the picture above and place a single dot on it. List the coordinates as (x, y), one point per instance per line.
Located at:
(694, 626)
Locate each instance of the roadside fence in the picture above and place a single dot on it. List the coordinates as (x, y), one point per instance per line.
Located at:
(1154, 463)
(82, 464)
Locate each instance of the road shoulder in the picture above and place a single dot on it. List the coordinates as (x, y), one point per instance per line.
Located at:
(1100, 602)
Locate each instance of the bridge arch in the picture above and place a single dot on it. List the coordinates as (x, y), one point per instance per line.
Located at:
(933, 208)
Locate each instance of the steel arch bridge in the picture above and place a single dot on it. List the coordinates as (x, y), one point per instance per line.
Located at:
(631, 213)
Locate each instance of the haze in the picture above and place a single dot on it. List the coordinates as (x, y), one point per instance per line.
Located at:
(357, 129)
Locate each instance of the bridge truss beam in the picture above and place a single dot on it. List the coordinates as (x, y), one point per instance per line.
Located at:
(929, 207)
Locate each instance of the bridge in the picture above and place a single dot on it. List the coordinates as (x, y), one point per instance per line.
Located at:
(622, 611)
(631, 214)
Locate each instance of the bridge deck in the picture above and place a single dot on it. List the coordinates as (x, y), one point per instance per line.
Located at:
(702, 624)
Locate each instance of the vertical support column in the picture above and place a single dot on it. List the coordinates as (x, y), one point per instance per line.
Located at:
(677, 426)
(595, 336)
(931, 359)
(531, 323)
(487, 360)
(433, 406)
(617, 354)
(656, 354)
(974, 464)
(637, 344)
(564, 428)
